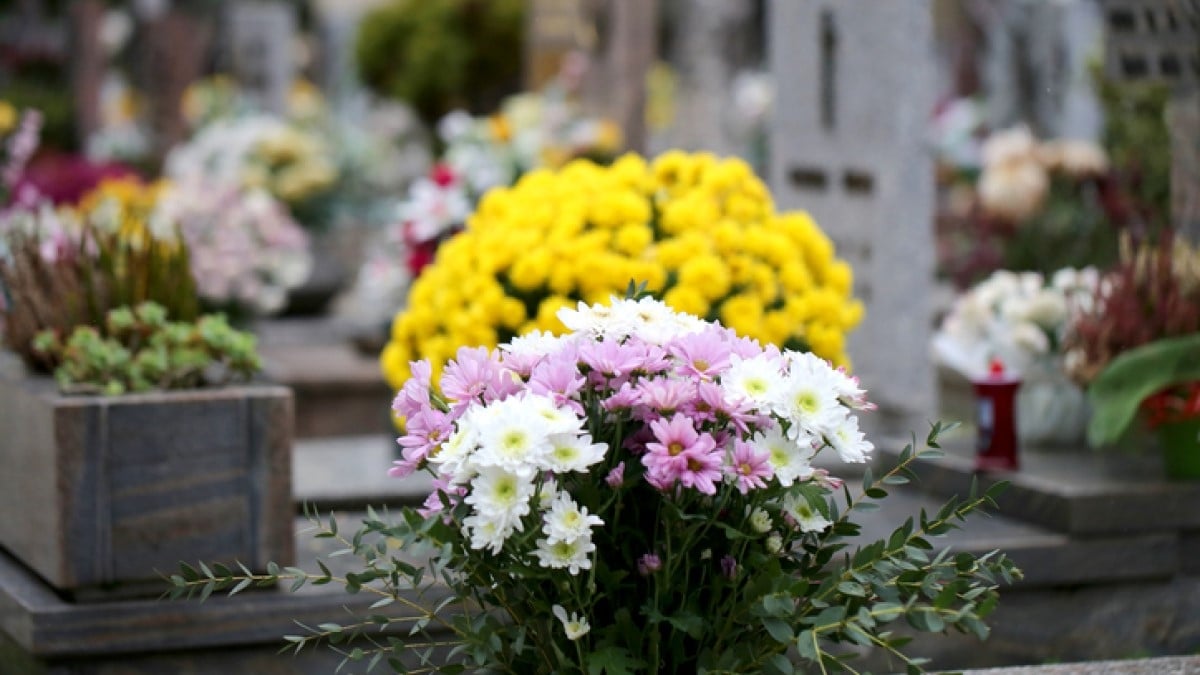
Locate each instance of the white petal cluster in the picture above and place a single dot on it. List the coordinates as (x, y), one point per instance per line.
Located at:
(1017, 318)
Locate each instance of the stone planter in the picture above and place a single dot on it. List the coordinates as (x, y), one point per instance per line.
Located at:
(99, 495)
(1180, 443)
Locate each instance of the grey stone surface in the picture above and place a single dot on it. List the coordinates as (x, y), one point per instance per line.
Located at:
(260, 35)
(1074, 491)
(1036, 66)
(347, 472)
(855, 89)
(1165, 665)
(339, 391)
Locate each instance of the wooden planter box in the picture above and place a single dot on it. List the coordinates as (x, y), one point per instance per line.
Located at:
(98, 495)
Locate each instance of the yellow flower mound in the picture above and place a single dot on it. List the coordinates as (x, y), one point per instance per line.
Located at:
(702, 232)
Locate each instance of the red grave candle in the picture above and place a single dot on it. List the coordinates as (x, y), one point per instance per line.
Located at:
(996, 419)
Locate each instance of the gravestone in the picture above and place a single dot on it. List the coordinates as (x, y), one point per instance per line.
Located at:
(855, 90)
(554, 29)
(260, 34)
(624, 49)
(172, 50)
(1036, 65)
(1159, 40)
(712, 41)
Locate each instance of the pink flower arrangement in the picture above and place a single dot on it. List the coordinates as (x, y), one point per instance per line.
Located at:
(640, 492)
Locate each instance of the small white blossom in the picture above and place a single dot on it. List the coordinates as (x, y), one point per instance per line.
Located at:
(575, 626)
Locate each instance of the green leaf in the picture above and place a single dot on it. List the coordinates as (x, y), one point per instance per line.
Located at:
(779, 629)
(1118, 392)
(778, 664)
(613, 660)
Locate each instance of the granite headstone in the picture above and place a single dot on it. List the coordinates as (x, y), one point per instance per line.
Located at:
(855, 90)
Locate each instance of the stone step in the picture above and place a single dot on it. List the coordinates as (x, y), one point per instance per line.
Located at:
(1075, 491)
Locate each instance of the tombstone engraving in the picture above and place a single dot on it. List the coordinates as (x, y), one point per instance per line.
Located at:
(855, 87)
(260, 34)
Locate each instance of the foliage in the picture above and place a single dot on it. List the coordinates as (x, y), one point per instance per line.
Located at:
(1153, 294)
(438, 56)
(1139, 143)
(67, 267)
(139, 349)
(637, 497)
(1135, 376)
(702, 231)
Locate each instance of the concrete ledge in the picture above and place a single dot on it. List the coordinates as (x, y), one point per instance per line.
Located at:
(1078, 492)
(1167, 665)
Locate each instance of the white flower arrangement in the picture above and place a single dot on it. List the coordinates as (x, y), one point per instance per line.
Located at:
(246, 251)
(1017, 318)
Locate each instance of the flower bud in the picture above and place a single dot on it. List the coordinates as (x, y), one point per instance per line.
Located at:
(774, 543)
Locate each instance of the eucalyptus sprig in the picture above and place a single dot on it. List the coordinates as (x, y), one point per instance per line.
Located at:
(812, 601)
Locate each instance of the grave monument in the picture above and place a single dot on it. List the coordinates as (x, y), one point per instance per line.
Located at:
(855, 90)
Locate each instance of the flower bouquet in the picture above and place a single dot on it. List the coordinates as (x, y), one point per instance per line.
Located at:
(701, 231)
(1030, 204)
(1021, 322)
(638, 496)
(1139, 350)
(245, 249)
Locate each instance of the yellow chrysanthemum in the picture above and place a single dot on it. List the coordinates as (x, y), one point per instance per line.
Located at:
(701, 231)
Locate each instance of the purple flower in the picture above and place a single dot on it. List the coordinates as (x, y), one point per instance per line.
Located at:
(473, 375)
(703, 355)
(413, 397)
(729, 567)
(750, 469)
(424, 431)
(663, 396)
(616, 477)
(676, 441)
(558, 380)
(649, 564)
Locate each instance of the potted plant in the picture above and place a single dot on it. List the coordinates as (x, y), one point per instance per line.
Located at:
(135, 457)
(638, 496)
(1139, 350)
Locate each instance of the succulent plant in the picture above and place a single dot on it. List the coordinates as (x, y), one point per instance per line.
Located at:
(141, 349)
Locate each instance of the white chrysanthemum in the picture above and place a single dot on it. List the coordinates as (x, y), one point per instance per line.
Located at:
(487, 533)
(555, 419)
(513, 437)
(569, 555)
(546, 493)
(574, 626)
(850, 443)
(535, 344)
(501, 496)
(453, 456)
(806, 517)
(788, 459)
(756, 380)
(650, 320)
(809, 399)
(572, 452)
(568, 521)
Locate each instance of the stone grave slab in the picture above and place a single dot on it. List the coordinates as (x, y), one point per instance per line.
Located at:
(1074, 491)
(855, 89)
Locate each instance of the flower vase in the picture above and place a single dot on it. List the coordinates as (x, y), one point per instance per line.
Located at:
(1052, 411)
(1180, 442)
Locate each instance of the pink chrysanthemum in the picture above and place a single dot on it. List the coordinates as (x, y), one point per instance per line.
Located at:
(750, 470)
